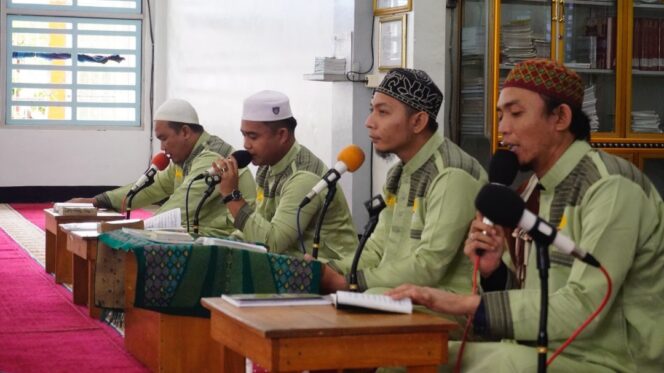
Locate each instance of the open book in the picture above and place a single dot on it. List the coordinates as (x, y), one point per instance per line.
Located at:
(271, 300)
(161, 236)
(379, 302)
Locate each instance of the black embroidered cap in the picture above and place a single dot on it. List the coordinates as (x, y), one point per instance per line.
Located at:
(414, 88)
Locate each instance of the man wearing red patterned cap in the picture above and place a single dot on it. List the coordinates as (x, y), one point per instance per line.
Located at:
(605, 205)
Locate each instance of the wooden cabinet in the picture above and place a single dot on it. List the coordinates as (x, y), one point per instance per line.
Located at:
(617, 47)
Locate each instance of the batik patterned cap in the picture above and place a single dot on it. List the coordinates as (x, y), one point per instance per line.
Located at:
(549, 78)
(414, 88)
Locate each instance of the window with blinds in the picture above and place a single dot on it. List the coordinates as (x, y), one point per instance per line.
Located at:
(71, 70)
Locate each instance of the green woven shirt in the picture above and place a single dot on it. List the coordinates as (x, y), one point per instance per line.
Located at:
(281, 188)
(420, 234)
(610, 209)
(214, 218)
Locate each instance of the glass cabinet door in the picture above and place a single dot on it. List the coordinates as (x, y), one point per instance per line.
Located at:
(525, 32)
(652, 165)
(647, 78)
(588, 45)
(474, 136)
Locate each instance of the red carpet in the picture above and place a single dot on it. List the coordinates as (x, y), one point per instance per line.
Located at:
(41, 330)
(34, 212)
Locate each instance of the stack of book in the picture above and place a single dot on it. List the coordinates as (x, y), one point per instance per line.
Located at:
(590, 107)
(517, 41)
(80, 209)
(329, 65)
(472, 81)
(646, 121)
(542, 46)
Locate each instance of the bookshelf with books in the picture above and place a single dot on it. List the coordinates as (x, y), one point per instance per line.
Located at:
(618, 49)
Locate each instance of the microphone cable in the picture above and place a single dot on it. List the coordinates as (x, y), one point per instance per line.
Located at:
(300, 238)
(609, 289)
(186, 204)
(469, 321)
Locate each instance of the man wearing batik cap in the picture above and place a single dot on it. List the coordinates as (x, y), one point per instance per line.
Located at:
(287, 172)
(605, 205)
(191, 150)
(429, 194)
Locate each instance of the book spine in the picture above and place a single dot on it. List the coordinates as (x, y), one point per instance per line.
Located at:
(636, 45)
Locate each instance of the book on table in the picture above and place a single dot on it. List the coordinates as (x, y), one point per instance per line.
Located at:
(72, 208)
(162, 236)
(273, 300)
(215, 241)
(347, 299)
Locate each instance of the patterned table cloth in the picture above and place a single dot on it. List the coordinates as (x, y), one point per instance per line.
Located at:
(172, 278)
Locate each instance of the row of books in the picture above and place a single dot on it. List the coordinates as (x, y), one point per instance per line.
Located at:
(648, 44)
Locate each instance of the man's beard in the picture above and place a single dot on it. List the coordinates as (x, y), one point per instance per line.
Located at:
(385, 155)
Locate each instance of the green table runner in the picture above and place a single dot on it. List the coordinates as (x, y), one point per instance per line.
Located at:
(172, 278)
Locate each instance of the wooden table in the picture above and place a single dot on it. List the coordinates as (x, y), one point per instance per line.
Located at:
(167, 343)
(320, 337)
(83, 246)
(58, 259)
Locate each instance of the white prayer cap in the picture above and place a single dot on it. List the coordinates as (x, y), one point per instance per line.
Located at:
(177, 110)
(266, 106)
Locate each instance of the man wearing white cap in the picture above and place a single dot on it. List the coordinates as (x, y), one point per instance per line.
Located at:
(191, 151)
(287, 171)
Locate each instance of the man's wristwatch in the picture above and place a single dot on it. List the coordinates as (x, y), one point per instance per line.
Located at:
(235, 195)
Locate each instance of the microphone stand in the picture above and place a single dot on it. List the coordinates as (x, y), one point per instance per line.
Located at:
(374, 206)
(331, 191)
(211, 181)
(543, 265)
(131, 195)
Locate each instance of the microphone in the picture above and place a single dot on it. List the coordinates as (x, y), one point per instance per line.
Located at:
(504, 206)
(350, 159)
(503, 168)
(242, 157)
(159, 162)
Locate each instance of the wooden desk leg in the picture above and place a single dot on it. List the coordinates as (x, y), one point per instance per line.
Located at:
(423, 369)
(50, 252)
(62, 259)
(93, 310)
(231, 360)
(80, 279)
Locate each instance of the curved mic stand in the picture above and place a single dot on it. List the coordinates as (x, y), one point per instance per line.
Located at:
(211, 181)
(374, 206)
(130, 195)
(331, 191)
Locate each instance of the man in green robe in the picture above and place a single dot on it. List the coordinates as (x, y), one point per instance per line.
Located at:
(429, 194)
(605, 205)
(192, 151)
(287, 172)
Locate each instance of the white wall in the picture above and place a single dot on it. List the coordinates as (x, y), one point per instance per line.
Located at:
(219, 52)
(426, 50)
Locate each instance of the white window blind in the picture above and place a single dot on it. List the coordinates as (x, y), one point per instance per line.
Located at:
(79, 71)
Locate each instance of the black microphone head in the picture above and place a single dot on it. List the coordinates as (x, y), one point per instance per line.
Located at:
(242, 157)
(503, 167)
(500, 204)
